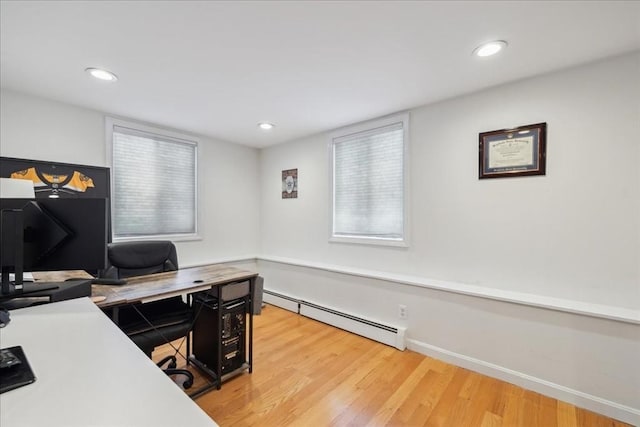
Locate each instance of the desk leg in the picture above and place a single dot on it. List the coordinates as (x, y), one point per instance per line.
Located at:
(115, 315)
(252, 285)
(190, 304)
(219, 339)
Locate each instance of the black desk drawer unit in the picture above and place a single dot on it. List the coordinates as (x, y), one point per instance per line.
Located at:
(233, 329)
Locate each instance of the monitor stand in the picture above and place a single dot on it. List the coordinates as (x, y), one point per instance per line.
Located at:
(46, 292)
(29, 287)
(10, 290)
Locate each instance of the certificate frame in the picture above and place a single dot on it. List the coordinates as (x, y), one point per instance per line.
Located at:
(520, 151)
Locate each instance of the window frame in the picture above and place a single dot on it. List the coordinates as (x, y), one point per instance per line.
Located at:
(364, 127)
(110, 123)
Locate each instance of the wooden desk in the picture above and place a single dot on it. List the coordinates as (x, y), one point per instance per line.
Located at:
(159, 286)
(88, 374)
(153, 287)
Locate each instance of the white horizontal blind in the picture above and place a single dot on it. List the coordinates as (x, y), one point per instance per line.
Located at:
(154, 184)
(368, 183)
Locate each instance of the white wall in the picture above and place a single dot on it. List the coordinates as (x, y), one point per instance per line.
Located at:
(36, 128)
(570, 239)
(573, 233)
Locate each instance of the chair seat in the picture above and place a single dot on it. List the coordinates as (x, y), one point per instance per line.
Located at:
(151, 339)
(142, 326)
(164, 320)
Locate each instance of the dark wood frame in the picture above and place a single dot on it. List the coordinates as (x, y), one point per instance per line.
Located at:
(538, 132)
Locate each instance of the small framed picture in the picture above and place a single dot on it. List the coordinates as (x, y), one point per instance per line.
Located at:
(513, 152)
(290, 184)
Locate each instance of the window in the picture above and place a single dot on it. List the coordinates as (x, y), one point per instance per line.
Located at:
(369, 182)
(154, 188)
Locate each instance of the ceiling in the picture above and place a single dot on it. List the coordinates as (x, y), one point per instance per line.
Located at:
(219, 68)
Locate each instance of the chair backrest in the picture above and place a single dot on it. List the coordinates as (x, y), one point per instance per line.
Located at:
(127, 259)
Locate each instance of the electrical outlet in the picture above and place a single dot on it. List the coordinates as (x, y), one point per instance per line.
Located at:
(402, 311)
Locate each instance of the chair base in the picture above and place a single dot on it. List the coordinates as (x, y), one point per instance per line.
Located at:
(170, 370)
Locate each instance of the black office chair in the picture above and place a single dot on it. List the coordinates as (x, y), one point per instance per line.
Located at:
(152, 324)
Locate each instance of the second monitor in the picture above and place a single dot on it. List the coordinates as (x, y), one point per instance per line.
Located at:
(57, 234)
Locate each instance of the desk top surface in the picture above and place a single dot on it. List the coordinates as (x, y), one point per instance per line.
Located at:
(163, 285)
(160, 285)
(88, 373)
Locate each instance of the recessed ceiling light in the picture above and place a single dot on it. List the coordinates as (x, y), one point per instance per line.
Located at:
(101, 74)
(490, 48)
(266, 126)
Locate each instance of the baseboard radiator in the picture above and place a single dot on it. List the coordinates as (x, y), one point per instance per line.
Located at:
(393, 336)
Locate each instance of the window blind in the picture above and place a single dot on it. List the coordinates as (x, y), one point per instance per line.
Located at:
(154, 184)
(369, 183)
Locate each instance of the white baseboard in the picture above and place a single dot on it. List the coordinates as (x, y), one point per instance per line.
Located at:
(393, 336)
(386, 334)
(281, 301)
(577, 398)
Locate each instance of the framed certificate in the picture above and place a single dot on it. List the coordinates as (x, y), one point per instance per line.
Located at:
(513, 152)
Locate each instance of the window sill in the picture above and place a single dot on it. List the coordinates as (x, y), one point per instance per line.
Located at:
(374, 241)
(172, 237)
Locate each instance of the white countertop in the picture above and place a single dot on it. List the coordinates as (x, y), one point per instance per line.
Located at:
(88, 373)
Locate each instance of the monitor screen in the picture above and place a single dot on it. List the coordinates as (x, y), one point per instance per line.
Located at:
(57, 234)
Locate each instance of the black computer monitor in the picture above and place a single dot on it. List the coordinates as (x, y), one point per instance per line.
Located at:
(56, 234)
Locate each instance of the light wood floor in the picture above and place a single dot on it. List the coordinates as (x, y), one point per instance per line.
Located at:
(307, 373)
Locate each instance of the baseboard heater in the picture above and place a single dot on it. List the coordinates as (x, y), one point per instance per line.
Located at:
(390, 335)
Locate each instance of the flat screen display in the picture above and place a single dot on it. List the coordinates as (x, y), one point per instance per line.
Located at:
(59, 234)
